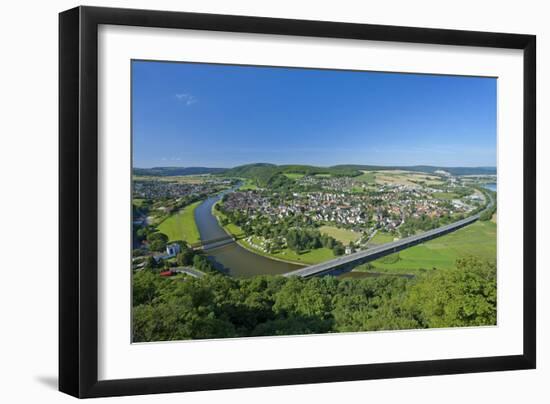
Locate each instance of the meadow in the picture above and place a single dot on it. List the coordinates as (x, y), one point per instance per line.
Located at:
(248, 185)
(308, 257)
(343, 235)
(445, 195)
(381, 238)
(293, 176)
(478, 239)
(182, 226)
(368, 176)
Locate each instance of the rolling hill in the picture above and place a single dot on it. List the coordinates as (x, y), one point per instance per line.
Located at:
(173, 171)
(263, 173)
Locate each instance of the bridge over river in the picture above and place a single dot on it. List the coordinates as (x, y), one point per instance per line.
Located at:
(213, 243)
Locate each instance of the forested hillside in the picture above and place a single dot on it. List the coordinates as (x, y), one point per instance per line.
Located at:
(218, 306)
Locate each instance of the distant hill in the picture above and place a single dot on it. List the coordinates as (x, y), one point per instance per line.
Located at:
(263, 173)
(424, 169)
(172, 171)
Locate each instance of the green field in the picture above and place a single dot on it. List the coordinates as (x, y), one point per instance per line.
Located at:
(445, 195)
(248, 185)
(293, 176)
(477, 239)
(343, 235)
(182, 226)
(310, 257)
(381, 238)
(367, 176)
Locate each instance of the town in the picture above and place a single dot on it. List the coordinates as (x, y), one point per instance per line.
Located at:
(399, 209)
(298, 217)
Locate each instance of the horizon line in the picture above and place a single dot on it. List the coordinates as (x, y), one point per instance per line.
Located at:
(320, 166)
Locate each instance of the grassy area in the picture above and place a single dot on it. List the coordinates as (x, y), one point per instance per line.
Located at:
(231, 228)
(446, 195)
(367, 176)
(248, 185)
(343, 235)
(358, 190)
(477, 239)
(310, 257)
(293, 176)
(382, 237)
(182, 226)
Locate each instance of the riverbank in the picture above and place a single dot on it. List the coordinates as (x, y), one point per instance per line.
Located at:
(234, 258)
(309, 258)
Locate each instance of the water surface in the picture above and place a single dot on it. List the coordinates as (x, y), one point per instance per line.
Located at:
(232, 258)
(492, 186)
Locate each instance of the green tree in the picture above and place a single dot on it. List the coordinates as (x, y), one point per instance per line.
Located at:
(464, 296)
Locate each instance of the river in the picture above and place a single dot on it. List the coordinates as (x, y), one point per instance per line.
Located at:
(232, 258)
(492, 186)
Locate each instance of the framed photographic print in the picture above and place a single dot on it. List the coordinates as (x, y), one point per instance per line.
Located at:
(251, 201)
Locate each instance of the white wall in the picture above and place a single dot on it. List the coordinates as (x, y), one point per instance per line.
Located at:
(28, 170)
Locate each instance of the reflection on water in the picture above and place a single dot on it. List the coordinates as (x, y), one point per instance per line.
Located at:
(207, 223)
(237, 261)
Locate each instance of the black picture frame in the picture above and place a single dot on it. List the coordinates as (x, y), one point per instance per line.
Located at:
(78, 201)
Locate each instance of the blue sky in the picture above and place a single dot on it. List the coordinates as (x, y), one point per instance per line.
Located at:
(222, 116)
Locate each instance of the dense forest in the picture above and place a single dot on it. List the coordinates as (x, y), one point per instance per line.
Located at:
(218, 306)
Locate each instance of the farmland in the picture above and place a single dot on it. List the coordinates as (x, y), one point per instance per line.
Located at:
(402, 177)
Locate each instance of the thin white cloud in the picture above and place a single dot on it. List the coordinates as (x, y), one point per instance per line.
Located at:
(186, 98)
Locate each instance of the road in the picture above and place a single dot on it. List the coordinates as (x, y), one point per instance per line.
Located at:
(347, 262)
(189, 271)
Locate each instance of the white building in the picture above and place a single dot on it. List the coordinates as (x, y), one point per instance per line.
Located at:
(172, 250)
